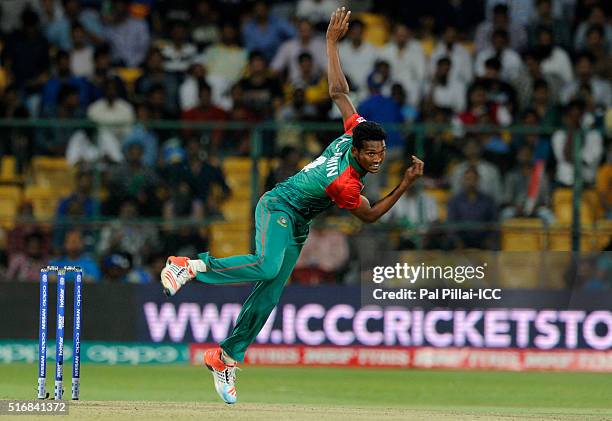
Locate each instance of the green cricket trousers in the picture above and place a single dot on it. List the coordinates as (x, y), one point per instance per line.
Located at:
(280, 233)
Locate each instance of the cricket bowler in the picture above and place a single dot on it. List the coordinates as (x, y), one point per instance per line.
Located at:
(283, 216)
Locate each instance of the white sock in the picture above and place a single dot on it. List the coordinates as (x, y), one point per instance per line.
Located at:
(196, 265)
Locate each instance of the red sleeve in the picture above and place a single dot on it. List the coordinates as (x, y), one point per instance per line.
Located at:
(351, 122)
(345, 192)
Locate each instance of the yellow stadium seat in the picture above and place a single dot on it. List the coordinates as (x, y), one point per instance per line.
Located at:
(44, 201)
(10, 197)
(54, 173)
(603, 233)
(129, 75)
(563, 206)
(8, 169)
(522, 234)
(230, 239)
(519, 270)
(236, 210)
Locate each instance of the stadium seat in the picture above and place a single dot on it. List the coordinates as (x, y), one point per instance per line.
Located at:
(8, 170)
(10, 197)
(44, 201)
(522, 234)
(563, 204)
(560, 238)
(129, 75)
(519, 270)
(53, 172)
(230, 239)
(603, 234)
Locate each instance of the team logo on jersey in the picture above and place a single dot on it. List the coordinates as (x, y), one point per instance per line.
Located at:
(282, 221)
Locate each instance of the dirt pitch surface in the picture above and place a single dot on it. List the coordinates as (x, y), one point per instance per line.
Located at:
(177, 411)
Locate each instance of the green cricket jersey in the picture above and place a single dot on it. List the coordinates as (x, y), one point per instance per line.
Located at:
(334, 177)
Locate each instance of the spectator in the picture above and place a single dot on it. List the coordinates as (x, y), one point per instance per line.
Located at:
(154, 74)
(24, 266)
(82, 53)
(206, 111)
(499, 92)
(178, 53)
(532, 72)
(63, 77)
(58, 31)
(312, 81)
(561, 31)
(298, 109)
(81, 197)
(128, 37)
(265, 32)
(472, 205)
(585, 79)
(520, 12)
(128, 236)
(479, 108)
(460, 58)
(262, 92)
(509, 59)
(132, 180)
(383, 109)
(444, 91)
(563, 147)
(54, 140)
(26, 55)
(113, 115)
(200, 176)
(542, 104)
(324, 257)
(539, 143)
(226, 59)
(143, 135)
(288, 165)
(555, 61)
(604, 184)
(408, 112)
(102, 72)
(415, 210)
(240, 112)
(596, 45)
(74, 256)
(358, 57)
(316, 11)
(597, 17)
(17, 141)
(289, 53)
(406, 58)
(204, 26)
(488, 175)
(500, 21)
(527, 190)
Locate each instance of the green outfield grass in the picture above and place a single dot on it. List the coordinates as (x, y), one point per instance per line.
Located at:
(181, 392)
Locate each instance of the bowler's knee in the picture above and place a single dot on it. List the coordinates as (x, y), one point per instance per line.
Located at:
(269, 267)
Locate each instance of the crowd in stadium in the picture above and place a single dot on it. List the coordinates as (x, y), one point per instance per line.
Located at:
(120, 64)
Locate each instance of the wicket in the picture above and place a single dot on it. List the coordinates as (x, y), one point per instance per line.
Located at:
(59, 331)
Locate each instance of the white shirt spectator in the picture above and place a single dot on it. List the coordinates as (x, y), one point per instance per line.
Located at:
(189, 92)
(558, 64)
(82, 61)
(510, 60)
(224, 61)
(289, 52)
(452, 95)
(490, 180)
(358, 63)
(119, 114)
(408, 207)
(316, 11)
(408, 65)
(592, 152)
(580, 37)
(462, 64)
(178, 59)
(600, 89)
(516, 33)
